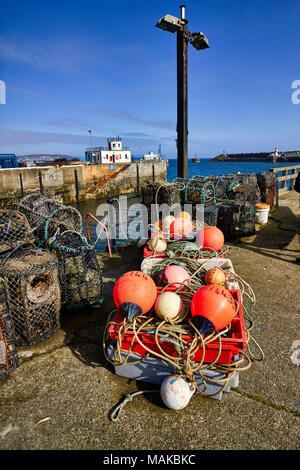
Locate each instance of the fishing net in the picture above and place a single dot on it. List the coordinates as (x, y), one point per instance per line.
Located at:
(47, 217)
(207, 215)
(247, 199)
(199, 191)
(32, 288)
(162, 193)
(229, 219)
(14, 229)
(8, 353)
(79, 272)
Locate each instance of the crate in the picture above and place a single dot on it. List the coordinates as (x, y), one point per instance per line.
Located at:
(8, 352)
(235, 341)
(154, 370)
(147, 253)
(225, 264)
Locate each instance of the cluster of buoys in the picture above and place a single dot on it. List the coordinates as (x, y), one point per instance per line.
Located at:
(212, 307)
(182, 228)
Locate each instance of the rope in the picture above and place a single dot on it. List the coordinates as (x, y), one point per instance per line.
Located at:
(114, 415)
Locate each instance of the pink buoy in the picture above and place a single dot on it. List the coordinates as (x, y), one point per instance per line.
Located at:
(174, 275)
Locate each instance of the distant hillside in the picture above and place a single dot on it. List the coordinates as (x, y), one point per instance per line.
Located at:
(239, 157)
(34, 156)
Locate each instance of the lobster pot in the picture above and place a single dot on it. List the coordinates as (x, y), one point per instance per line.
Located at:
(155, 193)
(225, 187)
(267, 185)
(14, 229)
(200, 191)
(247, 200)
(229, 219)
(47, 217)
(204, 216)
(8, 352)
(79, 271)
(33, 294)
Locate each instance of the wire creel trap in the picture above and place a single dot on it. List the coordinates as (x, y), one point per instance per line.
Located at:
(30, 277)
(8, 353)
(47, 217)
(14, 229)
(80, 275)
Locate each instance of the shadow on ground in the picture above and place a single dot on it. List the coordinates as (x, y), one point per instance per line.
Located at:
(279, 238)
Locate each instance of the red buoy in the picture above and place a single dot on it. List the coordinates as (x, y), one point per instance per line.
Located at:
(213, 308)
(134, 293)
(211, 238)
(174, 275)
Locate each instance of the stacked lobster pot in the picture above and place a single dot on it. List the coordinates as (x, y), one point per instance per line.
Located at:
(48, 217)
(200, 192)
(8, 352)
(30, 277)
(80, 275)
(15, 230)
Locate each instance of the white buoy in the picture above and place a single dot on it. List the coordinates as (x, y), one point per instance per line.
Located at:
(175, 392)
(168, 306)
(158, 244)
(167, 222)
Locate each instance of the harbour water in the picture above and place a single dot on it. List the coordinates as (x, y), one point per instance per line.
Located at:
(206, 168)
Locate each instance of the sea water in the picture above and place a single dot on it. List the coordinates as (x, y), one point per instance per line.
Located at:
(207, 168)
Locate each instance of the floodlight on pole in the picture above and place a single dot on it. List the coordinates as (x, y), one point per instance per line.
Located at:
(199, 42)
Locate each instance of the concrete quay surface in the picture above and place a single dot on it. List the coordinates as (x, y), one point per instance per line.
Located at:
(61, 394)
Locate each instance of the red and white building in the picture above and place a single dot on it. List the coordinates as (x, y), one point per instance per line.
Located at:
(113, 154)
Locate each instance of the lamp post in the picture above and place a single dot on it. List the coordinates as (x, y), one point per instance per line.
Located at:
(90, 132)
(199, 41)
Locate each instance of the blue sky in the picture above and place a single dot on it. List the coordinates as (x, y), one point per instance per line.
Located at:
(70, 66)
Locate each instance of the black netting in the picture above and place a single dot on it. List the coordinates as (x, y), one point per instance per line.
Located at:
(162, 193)
(8, 352)
(229, 219)
(47, 217)
(199, 191)
(14, 230)
(79, 272)
(30, 277)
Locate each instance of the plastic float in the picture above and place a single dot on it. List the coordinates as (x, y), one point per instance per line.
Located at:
(134, 293)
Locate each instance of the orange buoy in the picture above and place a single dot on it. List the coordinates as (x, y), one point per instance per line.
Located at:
(184, 215)
(212, 308)
(134, 293)
(215, 276)
(211, 238)
(180, 227)
(174, 275)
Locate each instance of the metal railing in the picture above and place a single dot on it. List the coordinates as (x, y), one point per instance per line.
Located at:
(102, 225)
(281, 181)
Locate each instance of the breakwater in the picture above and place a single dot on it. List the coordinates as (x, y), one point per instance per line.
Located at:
(73, 183)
